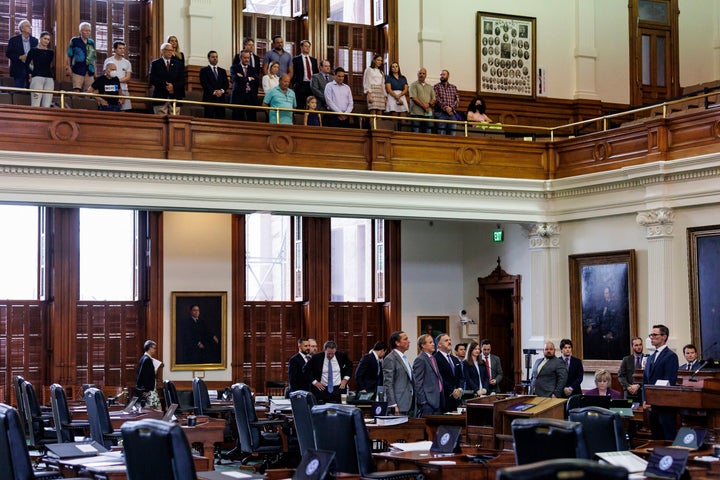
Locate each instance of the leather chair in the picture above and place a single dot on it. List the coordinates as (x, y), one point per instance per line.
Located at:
(101, 429)
(18, 384)
(65, 427)
(14, 456)
(171, 396)
(157, 450)
(602, 428)
(341, 429)
(539, 439)
(302, 403)
(39, 432)
(254, 436)
(582, 469)
(201, 399)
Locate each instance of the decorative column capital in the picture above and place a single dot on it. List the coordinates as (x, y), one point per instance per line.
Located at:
(658, 223)
(544, 235)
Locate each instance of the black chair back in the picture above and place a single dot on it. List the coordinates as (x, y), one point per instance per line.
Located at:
(334, 428)
(602, 428)
(18, 386)
(39, 432)
(201, 399)
(248, 436)
(157, 450)
(170, 393)
(61, 413)
(539, 439)
(302, 403)
(582, 469)
(14, 457)
(98, 416)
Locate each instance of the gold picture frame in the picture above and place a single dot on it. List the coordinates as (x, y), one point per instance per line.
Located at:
(436, 324)
(198, 344)
(603, 306)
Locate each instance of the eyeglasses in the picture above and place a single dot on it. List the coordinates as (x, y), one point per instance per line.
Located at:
(653, 335)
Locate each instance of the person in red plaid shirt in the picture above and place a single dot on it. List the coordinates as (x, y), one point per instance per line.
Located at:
(447, 102)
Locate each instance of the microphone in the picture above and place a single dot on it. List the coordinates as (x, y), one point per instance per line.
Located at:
(692, 377)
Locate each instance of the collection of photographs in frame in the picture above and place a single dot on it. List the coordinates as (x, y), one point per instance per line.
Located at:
(506, 54)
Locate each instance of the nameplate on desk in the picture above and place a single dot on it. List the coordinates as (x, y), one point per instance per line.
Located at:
(387, 420)
(520, 407)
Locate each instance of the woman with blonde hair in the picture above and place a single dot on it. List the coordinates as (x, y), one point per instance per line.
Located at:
(603, 380)
(172, 40)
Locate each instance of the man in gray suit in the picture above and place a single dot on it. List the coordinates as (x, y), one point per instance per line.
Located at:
(427, 379)
(318, 82)
(492, 364)
(549, 374)
(397, 376)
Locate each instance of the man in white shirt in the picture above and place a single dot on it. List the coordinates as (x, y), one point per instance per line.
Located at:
(329, 373)
(338, 97)
(304, 67)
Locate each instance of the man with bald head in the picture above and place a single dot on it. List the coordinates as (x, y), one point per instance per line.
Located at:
(422, 102)
(549, 374)
(280, 96)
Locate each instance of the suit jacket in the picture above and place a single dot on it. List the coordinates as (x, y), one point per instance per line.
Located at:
(695, 365)
(240, 95)
(427, 383)
(210, 84)
(496, 372)
(398, 383)
(296, 377)
(451, 378)
(317, 85)
(14, 51)
(575, 375)
(313, 368)
(254, 61)
(664, 367)
(159, 75)
(145, 380)
(626, 371)
(367, 376)
(299, 69)
(551, 379)
(473, 380)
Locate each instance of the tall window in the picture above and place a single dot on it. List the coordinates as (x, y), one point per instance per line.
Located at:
(116, 20)
(267, 257)
(11, 13)
(107, 254)
(350, 11)
(351, 262)
(263, 19)
(19, 253)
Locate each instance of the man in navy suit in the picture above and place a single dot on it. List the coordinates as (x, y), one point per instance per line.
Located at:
(661, 365)
(450, 371)
(368, 375)
(304, 67)
(214, 81)
(329, 373)
(296, 377)
(690, 354)
(575, 369)
(167, 76)
(17, 50)
(246, 81)
(427, 379)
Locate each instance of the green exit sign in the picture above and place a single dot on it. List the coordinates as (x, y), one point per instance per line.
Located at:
(498, 236)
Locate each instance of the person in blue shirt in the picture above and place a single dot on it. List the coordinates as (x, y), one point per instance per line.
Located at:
(280, 97)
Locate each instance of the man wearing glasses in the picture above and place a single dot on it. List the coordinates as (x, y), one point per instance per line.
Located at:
(661, 366)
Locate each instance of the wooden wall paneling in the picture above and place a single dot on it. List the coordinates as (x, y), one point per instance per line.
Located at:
(392, 308)
(237, 315)
(153, 304)
(316, 277)
(23, 345)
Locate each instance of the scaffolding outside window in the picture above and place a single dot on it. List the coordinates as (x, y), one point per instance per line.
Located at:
(351, 262)
(267, 257)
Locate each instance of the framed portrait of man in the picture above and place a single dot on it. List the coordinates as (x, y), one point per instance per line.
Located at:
(198, 330)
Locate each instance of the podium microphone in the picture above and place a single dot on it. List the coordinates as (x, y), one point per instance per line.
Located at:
(692, 377)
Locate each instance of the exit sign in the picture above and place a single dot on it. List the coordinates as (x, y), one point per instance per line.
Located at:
(498, 236)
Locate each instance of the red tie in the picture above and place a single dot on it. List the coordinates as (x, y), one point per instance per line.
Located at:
(487, 365)
(434, 365)
(308, 68)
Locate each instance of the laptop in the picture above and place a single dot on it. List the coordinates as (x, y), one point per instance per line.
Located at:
(623, 406)
(667, 462)
(170, 413)
(379, 409)
(75, 449)
(315, 465)
(689, 438)
(129, 407)
(447, 439)
(594, 401)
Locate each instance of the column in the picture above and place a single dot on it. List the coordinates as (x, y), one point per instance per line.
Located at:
(658, 225)
(545, 284)
(585, 53)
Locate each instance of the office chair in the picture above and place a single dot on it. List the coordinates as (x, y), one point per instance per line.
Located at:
(65, 427)
(253, 435)
(18, 383)
(575, 468)
(39, 431)
(302, 403)
(341, 429)
(539, 439)
(602, 428)
(171, 396)
(14, 456)
(101, 429)
(201, 399)
(157, 450)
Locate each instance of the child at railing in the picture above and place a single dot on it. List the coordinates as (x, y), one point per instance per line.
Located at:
(312, 118)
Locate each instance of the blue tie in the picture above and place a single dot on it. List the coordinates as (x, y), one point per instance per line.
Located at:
(330, 376)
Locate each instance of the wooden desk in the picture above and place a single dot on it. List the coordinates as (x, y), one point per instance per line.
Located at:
(463, 467)
(411, 431)
(484, 418)
(207, 433)
(67, 469)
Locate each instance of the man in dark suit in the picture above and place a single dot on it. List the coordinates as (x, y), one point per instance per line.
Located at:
(450, 372)
(492, 365)
(145, 376)
(427, 378)
(167, 76)
(296, 377)
(304, 67)
(690, 354)
(214, 81)
(246, 81)
(549, 374)
(628, 366)
(575, 369)
(661, 366)
(318, 82)
(397, 376)
(17, 50)
(329, 373)
(368, 375)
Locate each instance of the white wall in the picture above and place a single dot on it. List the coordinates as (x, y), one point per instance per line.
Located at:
(197, 257)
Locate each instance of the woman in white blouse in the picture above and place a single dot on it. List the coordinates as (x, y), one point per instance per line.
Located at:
(374, 85)
(271, 79)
